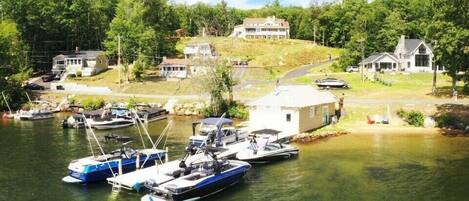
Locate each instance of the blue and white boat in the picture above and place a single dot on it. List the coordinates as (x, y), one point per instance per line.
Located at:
(100, 167)
(198, 180)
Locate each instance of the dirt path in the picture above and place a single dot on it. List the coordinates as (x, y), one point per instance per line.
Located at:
(303, 70)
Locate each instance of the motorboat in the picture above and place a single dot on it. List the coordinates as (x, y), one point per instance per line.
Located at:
(216, 130)
(331, 83)
(97, 168)
(113, 123)
(152, 114)
(198, 179)
(100, 167)
(262, 150)
(34, 114)
(112, 118)
(74, 121)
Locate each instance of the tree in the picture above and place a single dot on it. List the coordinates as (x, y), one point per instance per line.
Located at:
(14, 68)
(137, 38)
(450, 30)
(219, 82)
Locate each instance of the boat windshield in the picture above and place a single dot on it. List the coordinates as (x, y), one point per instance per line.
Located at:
(197, 143)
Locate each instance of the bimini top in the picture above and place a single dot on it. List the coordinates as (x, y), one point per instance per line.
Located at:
(215, 120)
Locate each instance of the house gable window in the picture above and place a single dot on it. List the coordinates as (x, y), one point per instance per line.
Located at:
(422, 49)
(421, 60)
(288, 116)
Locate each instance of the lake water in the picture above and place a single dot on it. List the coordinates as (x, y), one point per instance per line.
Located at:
(34, 157)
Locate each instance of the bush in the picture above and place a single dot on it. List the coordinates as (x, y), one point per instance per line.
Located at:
(413, 117)
(93, 103)
(446, 120)
(78, 73)
(238, 111)
(465, 89)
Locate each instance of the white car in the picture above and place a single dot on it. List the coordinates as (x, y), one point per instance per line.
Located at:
(351, 69)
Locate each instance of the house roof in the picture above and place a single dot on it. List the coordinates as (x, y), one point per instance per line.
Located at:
(295, 96)
(412, 44)
(375, 56)
(282, 22)
(81, 54)
(176, 62)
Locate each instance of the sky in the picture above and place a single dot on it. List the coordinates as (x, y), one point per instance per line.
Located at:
(248, 4)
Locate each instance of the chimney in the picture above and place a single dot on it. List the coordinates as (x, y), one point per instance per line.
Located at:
(402, 38)
(77, 49)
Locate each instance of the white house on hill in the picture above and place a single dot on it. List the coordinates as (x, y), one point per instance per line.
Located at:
(292, 109)
(88, 62)
(411, 55)
(262, 28)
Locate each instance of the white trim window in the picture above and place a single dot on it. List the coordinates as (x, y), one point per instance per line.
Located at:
(312, 112)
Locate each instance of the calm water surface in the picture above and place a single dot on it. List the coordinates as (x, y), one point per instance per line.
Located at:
(34, 157)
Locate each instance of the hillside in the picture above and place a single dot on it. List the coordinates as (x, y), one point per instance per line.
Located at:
(271, 58)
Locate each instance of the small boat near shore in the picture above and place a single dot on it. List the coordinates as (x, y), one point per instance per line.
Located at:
(198, 180)
(112, 118)
(97, 168)
(216, 131)
(34, 114)
(148, 115)
(261, 150)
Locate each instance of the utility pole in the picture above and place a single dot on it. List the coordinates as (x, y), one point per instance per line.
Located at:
(323, 44)
(314, 33)
(119, 57)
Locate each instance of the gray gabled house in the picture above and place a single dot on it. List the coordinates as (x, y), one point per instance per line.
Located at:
(411, 55)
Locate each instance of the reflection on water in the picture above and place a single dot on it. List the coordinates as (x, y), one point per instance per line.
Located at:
(34, 157)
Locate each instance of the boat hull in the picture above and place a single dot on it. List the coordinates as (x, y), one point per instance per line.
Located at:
(35, 117)
(207, 187)
(100, 172)
(108, 127)
(270, 157)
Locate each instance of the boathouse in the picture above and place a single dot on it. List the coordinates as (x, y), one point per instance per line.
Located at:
(292, 109)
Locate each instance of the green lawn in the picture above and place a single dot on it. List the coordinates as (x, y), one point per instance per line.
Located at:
(271, 58)
(405, 86)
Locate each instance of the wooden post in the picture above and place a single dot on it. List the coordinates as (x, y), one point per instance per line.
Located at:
(137, 164)
(120, 167)
(166, 158)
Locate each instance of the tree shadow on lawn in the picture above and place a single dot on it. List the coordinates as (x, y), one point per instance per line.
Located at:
(447, 92)
(455, 118)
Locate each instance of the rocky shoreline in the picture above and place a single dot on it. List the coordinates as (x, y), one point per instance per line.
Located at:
(314, 137)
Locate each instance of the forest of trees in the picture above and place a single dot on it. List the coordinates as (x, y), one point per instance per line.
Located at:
(33, 31)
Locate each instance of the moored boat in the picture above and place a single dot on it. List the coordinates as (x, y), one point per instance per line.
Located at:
(198, 180)
(261, 150)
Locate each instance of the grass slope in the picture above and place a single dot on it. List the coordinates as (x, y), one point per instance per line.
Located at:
(269, 59)
(404, 86)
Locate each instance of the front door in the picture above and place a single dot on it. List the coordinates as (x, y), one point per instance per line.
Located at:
(325, 115)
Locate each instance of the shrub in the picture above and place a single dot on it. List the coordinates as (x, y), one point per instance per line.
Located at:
(465, 89)
(238, 111)
(93, 103)
(413, 117)
(446, 120)
(78, 73)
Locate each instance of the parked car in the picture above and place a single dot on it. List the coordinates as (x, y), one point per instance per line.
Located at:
(48, 77)
(351, 69)
(34, 86)
(57, 76)
(331, 83)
